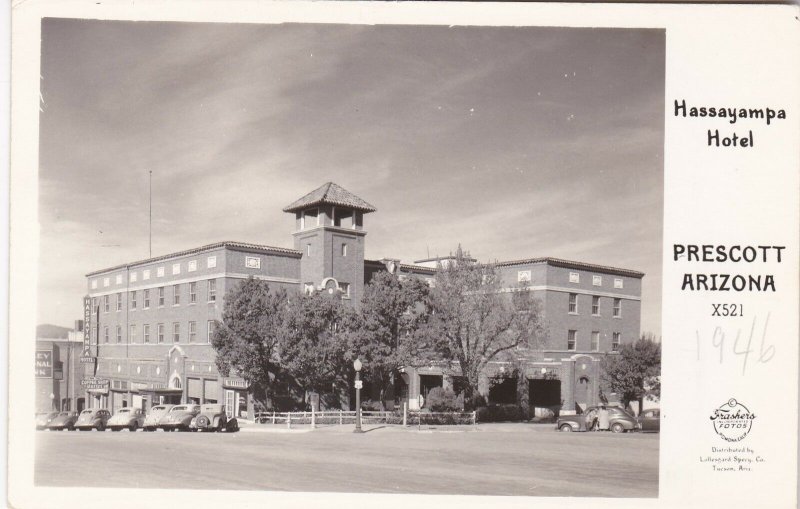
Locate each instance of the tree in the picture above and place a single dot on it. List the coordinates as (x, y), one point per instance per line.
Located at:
(636, 368)
(312, 350)
(473, 321)
(383, 332)
(247, 338)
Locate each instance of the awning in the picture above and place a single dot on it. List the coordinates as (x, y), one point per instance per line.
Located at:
(162, 390)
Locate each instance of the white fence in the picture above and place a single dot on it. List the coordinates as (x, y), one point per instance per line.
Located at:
(340, 417)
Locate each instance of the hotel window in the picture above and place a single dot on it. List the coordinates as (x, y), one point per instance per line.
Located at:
(308, 288)
(176, 268)
(211, 262)
(160, 296)
(571, 339)
(617, 283)
(176, 332)
(615, 340)
(146, 299)
(160, 332)
(160, 272)
(252, 262)
(595, 341)
(523, 276)
(119, 334)
(146, 333)
(573, 303)
(106, 281)
(133, 299)
(192, 332)
(617, 308)
(176, 295)
(209, 330)
(146, 274)
(105, 334)
(597, 281)
(94, 284)
(132, 338)
(132, 277)
(212, 290)
(574, 277)
(191, 266)
(118, 279)
(119, 302)
(344, 249)
(345, 289)
(105, 303)
(596, 306)
(192, 293)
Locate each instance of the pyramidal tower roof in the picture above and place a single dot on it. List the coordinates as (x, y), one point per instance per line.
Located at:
(330, 193)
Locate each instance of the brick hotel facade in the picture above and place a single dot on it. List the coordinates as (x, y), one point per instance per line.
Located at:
(151, 320)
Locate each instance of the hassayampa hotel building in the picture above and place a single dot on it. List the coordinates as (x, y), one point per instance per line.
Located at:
(151, 319)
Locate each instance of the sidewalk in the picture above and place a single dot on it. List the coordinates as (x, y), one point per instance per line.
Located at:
(493, 427)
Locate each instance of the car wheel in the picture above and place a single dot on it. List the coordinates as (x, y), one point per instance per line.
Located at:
(133, 427)
(617, 428)
(101, 427)
(566, 428)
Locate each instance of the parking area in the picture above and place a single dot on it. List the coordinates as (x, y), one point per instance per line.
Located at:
(510, 459)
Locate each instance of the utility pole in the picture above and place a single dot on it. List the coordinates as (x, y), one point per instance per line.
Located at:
(151, 214)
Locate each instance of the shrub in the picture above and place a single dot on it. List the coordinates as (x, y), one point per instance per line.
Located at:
(477, 401)
(442, 400)
(501, 413)
(372, 406)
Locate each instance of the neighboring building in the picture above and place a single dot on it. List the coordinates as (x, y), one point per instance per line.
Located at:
(59, 372)
(151, 320)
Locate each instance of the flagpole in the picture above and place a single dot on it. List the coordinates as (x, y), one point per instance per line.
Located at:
(151, 213)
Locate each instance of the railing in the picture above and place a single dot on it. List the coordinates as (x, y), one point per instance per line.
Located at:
(341, 417)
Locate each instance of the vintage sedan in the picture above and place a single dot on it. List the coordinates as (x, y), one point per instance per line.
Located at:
(129, 417)
(649, 420)
(93, 418)
(44, 418)
(179, 417)
(212, 417)
(619, 420)
(154, 416)
(64, 420)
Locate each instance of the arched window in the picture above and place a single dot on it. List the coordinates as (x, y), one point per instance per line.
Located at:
(175, 383)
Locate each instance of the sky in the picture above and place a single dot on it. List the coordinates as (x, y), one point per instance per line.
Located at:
(515, 142)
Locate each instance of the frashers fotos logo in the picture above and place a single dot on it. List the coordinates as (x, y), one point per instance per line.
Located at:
(732, 420)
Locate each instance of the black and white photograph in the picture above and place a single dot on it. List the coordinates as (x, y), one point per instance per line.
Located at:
(393, 254)
(309, 257)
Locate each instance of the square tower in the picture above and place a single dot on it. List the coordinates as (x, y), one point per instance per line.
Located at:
(329, 232)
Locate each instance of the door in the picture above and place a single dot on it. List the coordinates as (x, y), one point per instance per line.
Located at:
(582, 393)
(231, 402)
(650, 420)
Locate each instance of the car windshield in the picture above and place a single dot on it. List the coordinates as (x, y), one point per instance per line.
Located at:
(87, 412)
(124, 411)
(63, 414)
(179, 408)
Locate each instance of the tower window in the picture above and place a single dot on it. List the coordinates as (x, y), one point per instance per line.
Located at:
(344, 249)
(308, 249)
(309, 218)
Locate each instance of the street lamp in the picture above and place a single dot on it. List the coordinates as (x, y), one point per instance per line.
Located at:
(358, 384)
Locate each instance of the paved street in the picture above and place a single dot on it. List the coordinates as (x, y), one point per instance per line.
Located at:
(502, 459)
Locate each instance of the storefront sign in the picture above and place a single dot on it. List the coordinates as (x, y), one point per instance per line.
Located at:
(237, 383)
(44, 364)
(95, 384)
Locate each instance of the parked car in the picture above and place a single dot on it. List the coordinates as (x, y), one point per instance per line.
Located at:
(650, 420)
(131, 418)
(212, 417)
(93, 418)
(618, 420)
(155, 415)
(44, 418)
(64, 420)
(179, 417)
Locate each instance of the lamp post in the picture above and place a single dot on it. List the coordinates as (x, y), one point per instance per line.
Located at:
(357, 367)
